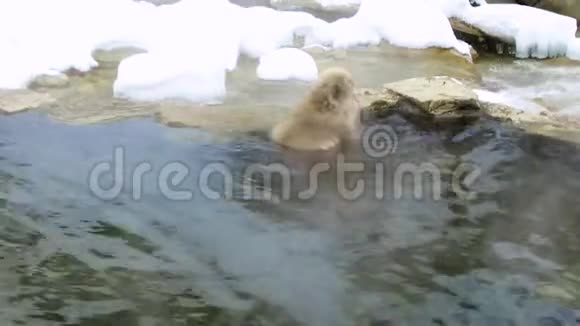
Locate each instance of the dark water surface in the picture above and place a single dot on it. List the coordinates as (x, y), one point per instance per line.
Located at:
(508, 256)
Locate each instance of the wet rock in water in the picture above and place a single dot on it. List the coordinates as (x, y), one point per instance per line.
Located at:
(430, 99)
(445, 101)
(57, 80)
(223, 119)
(12, 101)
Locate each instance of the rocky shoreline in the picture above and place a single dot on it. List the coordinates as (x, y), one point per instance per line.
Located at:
(430, 102)
(444, 101)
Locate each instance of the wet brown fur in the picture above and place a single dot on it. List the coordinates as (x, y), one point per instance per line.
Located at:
(327, 116)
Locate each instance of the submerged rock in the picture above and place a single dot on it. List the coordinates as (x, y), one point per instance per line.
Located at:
(223, 119)
(12, 101)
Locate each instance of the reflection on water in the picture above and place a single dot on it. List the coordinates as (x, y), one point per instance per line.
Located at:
(69, 258)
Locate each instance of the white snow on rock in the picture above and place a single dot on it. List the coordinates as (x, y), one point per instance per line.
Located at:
(535, 32)
(408, 23)
(287, 63)
(157, 76)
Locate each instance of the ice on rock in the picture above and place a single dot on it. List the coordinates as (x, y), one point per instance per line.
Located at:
(573, 49)
(157, 76)
(287, 63)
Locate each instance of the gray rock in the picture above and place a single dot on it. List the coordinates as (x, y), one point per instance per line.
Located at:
(430, 99)
(437, 101)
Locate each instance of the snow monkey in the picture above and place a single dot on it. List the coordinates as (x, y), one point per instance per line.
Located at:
(327, 116)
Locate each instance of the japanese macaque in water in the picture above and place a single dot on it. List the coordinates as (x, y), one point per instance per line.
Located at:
(328, 116)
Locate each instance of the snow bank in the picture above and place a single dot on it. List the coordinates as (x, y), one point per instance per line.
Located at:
(409, 23)
(58, 35)
(424, 23)
(288, 63)
(207, 36)
(38, 40)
